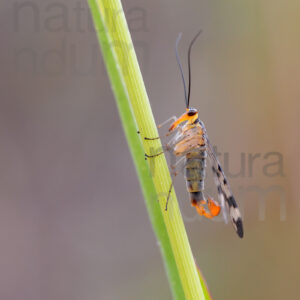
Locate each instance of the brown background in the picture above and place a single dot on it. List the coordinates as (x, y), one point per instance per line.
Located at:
(73, 224)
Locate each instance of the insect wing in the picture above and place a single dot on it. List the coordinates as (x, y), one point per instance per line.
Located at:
(222, 200)
(224, 191)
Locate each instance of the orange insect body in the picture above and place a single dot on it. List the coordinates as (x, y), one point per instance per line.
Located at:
(190, 141)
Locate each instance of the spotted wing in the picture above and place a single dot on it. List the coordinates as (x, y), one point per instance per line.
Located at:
(224, 191)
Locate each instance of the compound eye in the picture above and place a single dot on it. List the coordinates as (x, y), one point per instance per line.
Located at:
(192, 112)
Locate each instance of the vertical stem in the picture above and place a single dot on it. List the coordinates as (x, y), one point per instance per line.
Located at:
(135, 112)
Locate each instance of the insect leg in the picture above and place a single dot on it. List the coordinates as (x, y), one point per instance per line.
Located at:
(151, 139)
(168, 146)
(175, 139)
(180, 160)
(154, 155)
(167, 121)
(159, 126)
(173, 173)
(169, 194)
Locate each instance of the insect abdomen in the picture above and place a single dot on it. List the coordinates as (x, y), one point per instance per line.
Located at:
(195, 174)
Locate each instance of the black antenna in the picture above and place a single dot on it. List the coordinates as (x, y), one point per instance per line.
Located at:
(180, 68)
(189, 68)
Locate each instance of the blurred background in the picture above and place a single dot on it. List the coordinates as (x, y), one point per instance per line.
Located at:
(73, 224)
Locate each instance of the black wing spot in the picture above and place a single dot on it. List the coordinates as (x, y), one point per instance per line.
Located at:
(215, 171)
(225, 181)
(239, 228)
(232, 202)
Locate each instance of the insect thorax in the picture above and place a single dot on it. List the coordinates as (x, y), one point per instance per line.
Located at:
(191, 139)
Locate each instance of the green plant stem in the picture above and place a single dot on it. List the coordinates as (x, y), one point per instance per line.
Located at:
(135, 112)
(137, 152)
